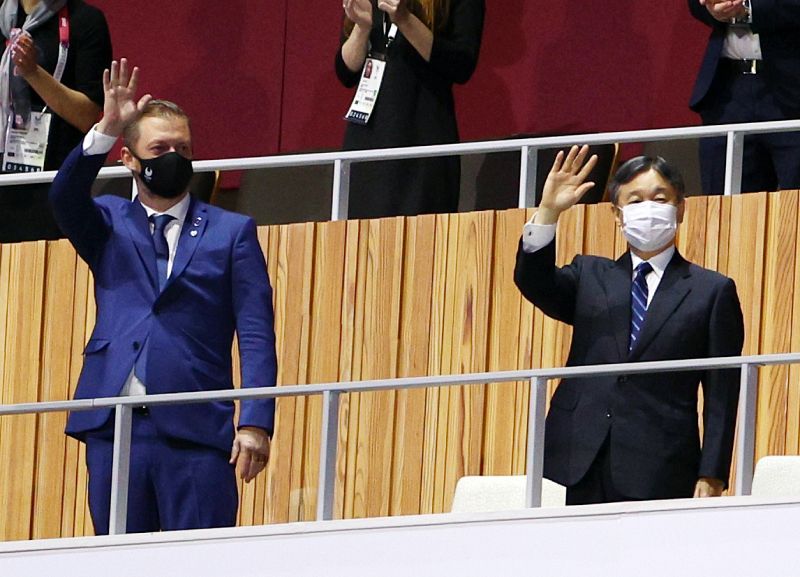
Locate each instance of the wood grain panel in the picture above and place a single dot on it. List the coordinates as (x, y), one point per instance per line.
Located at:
(381, 329)
(413, 359)
(21, 368)
(58, 306)
(776, 327)
(377, 299)
(501, 422)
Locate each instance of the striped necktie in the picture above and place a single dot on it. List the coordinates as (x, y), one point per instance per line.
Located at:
(639, 292)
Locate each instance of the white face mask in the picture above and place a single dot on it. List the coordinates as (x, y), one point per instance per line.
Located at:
(649, 225)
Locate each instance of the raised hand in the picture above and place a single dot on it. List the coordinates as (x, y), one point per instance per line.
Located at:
(120, 106)
(359, 12)
(565, 184)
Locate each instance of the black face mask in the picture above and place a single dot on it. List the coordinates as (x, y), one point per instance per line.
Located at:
(167, 175)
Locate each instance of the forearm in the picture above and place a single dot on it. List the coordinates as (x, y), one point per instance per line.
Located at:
(73, 106)
(417, 34)
(354, 49)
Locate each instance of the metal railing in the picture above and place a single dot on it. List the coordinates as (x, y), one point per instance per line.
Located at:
(538, 378)
(527, 147)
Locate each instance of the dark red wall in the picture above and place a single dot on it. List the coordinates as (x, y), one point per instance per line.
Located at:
(257, 76)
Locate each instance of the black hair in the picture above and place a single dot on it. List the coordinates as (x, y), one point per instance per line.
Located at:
(636, 166)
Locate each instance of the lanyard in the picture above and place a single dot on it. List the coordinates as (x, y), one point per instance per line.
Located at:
(389, 31)
(63, 43)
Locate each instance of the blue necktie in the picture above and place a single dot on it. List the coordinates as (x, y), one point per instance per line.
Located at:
(639, 292)
(162, 258)
(162, 248)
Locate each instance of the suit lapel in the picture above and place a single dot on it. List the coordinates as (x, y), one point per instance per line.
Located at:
(618, 296)
(671, 291)
(193, 228)
(139, 231)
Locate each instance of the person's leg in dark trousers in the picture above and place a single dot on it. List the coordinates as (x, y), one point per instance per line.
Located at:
(173, 484)
(195, 486)
(736, 98)
(597, 485)
(143, 514)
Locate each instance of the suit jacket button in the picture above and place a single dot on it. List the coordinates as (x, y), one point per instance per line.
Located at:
(136, 345)
(608, 414)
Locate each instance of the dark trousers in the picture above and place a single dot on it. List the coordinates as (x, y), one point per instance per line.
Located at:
(173, 484)
(770, 161)
(597, 486)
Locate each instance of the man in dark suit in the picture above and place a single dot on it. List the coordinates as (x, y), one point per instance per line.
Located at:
(634, 436)
(750, 73)
(174, 279)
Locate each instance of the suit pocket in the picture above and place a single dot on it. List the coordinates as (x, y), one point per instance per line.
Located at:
(95, 346)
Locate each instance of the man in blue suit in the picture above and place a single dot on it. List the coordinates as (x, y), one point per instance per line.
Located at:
(750, 73)
(174, 279)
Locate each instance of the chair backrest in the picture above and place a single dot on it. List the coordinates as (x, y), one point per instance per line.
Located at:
(777, 476)
(501, 493)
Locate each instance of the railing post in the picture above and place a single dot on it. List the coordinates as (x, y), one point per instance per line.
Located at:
(733, 163)
(120, 470)
(534, 465)
(528, 166)
(327, 455)
(341, 189)
(746, 426)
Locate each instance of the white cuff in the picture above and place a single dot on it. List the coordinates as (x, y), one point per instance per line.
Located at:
(95, 142)
(537, 236)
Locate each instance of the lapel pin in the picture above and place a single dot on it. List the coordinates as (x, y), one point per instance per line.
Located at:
(193, 233)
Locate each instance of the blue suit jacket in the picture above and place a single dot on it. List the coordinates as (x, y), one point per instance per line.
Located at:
(777, 22)
(219, 284)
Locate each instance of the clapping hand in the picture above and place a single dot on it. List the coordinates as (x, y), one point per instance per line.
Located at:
(23, 54)
(724, 10)
(396, 9)
(120, 107)
(565, 184)
(359, 12)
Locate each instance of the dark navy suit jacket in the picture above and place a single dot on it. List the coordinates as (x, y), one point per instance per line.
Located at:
(651, 419)
(218, 286)
(778, 24)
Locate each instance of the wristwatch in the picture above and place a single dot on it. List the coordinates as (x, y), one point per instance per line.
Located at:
(747, 17)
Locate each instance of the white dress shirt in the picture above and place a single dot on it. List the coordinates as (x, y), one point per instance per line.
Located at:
(96, 142)
(740, 42)
(537, 236)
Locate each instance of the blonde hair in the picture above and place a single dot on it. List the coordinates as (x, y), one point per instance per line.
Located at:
(433, 13)
(157, 108)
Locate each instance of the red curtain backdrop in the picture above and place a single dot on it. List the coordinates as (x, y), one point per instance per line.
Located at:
(257, 77)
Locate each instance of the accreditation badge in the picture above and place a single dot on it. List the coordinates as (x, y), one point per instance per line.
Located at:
(26, 146)
(367, 93)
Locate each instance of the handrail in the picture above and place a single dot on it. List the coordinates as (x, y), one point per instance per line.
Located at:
(527, 147)
(330, 409)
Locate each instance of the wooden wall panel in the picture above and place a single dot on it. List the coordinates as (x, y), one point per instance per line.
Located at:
(776, 327)
(413, 359)
(378, 299)
(21, 373)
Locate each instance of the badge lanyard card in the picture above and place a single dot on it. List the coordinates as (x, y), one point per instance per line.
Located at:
(370, 84)
(26, 143)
